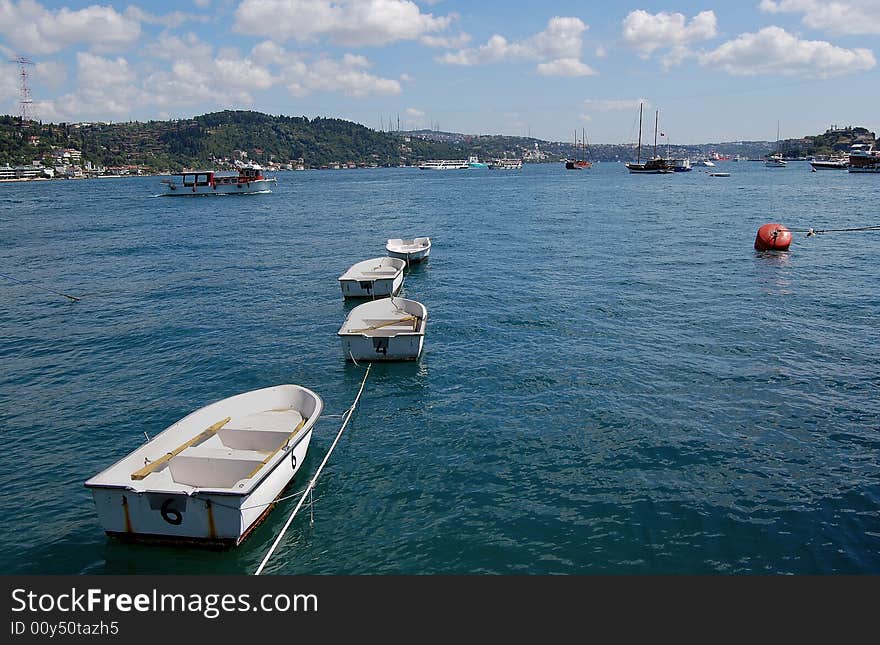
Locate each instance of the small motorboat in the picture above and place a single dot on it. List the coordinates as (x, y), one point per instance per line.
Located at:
(212, 476)
(719, 174)
(387, 329)
(377, 277)
(414, 250)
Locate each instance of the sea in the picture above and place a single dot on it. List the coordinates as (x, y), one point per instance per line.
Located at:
(614, 381)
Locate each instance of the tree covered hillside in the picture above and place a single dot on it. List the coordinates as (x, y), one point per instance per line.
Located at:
(174, 145)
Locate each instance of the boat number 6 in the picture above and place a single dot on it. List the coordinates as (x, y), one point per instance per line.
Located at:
(171, 515)
(293, 460)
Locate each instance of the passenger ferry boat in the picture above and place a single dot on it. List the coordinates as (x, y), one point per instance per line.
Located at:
(505, 164)
(444, 164)
(249, 180)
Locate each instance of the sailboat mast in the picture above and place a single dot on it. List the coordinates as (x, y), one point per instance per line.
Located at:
(639, 149)
(656, 121)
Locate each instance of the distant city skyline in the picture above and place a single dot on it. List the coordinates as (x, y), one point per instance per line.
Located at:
(550, 70)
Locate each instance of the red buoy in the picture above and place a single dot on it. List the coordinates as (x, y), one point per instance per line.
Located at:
(773, 237)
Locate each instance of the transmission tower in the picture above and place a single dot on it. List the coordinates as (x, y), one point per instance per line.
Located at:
(25, 101)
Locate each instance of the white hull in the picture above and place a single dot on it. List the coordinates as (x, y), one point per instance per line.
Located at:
(212, 476)
(209, 518)
(259, 186)
(376, 278)
(384, 330)
(415, 250)
(829, 165)
(394, 348)
(444, 165)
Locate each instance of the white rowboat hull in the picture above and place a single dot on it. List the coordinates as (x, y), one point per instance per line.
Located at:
(212, 476)
(206, 518)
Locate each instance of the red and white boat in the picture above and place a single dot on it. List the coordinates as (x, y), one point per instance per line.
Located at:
(249, 180)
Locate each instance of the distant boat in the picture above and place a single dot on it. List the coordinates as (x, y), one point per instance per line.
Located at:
(248, 181)
(833, 163)
(681, 165)
(474, 162)
(444, 164)
(654, 166)
(212, 476)
(863, 158)
(377, 277)
(704, 162)
(775, 160)
(388, 329)
(414, 250)
(719, 174)
(578, 163)
(505, 164)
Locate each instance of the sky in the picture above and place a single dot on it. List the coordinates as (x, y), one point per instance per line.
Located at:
(552, 69)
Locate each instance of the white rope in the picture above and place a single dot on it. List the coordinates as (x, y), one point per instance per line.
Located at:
(317, 474)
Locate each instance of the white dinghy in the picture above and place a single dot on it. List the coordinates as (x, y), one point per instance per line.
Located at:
(388, 329)
(378, 277)
(414, 250)
(212, 476)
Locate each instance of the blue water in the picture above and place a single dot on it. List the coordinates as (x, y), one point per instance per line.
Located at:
(614, 380)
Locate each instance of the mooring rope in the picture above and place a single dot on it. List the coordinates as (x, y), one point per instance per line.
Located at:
(57, 293)
(818, 231)
(314, 479)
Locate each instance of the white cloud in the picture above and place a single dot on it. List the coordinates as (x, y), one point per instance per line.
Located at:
(565, 67)
(558, 47)
(52, 73)
(647, 33)
(611, 105)
(414, 112)
(171, 20)
(343, 22)
(586, 118)
(169, 47)
(32, 29)
(446, 42)
(601, 52)
(347, 75)
(773, 50)
(105, 88)
(836, 16)
(95, 72)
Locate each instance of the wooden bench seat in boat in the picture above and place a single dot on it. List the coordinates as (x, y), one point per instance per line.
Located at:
(388, 327)
(230, 447)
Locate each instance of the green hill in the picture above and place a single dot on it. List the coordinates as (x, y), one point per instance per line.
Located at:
(202, 140)
(214, 140)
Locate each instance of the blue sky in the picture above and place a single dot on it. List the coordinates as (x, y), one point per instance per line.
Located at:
(719, 71)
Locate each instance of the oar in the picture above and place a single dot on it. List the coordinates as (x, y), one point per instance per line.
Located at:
(153, 465)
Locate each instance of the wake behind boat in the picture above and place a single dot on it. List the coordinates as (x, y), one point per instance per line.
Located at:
(249, 180)
(212, 476)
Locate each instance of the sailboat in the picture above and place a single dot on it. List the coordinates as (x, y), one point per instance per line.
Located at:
(775, 160)
(655, 165)
(579, 163)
